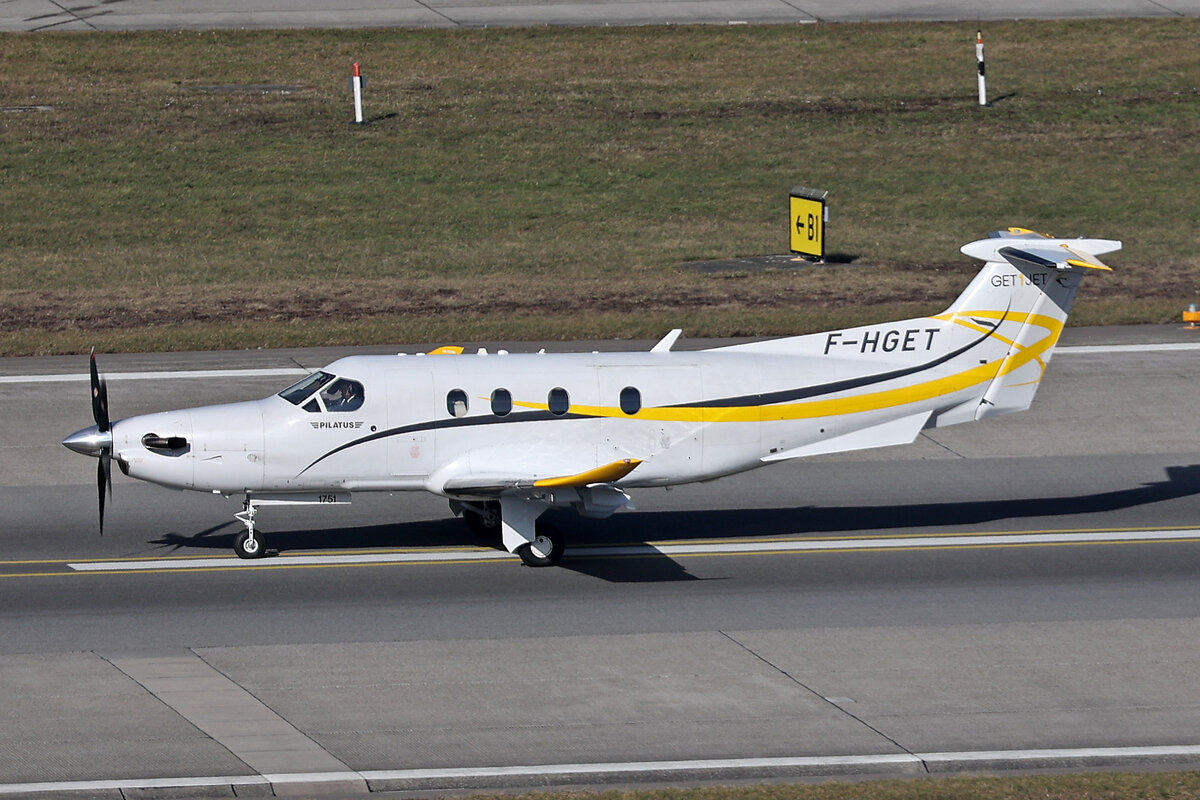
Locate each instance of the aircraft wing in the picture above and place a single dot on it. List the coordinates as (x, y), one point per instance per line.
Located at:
(897, 431)
(488, 473)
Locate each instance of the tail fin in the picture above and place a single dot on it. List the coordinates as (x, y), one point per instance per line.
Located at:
(1023, 294)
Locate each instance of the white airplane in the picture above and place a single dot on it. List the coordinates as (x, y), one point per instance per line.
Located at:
(505, 437)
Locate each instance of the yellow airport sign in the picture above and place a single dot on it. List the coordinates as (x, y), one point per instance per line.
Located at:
(808, 218)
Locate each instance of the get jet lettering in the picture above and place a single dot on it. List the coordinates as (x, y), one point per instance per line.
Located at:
(1035, 279)
(874, 341)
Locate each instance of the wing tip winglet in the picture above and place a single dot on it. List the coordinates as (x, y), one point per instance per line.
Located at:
(608, 473)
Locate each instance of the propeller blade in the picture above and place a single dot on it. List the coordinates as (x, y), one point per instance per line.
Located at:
(99, 397)
(103, 482)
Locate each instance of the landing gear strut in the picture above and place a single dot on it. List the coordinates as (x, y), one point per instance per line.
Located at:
(250, 543)
(482, 518)
(515, 519)
(536, 543)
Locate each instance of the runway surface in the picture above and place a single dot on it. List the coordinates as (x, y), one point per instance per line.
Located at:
(1016, 593)
(112, 15)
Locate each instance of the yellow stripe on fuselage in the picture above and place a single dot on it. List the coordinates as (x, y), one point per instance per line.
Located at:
(857, 403)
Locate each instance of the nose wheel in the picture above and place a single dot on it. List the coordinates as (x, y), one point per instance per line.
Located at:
(250, 543)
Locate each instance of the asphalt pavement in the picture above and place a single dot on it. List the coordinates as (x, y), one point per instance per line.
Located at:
(113, 15)
(1016, 594)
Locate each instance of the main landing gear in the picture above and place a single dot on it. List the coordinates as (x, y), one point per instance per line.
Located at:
(516, 520)
(545, 550)
(482, 518)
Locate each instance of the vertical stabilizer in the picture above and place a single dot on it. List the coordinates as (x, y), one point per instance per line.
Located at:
(1023, 294)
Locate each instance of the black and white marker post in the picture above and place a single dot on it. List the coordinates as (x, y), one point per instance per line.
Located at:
(356, 83)
(979, 58)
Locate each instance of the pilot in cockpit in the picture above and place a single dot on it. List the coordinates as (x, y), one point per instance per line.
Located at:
(347, 396)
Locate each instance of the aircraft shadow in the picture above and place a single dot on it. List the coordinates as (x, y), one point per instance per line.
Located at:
(437, 533)
(434, 533)
(639, 527)
(1181, 481)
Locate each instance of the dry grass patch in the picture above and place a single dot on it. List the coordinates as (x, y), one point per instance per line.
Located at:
(514, 177)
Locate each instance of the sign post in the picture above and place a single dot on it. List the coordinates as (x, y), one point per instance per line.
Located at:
(982, 71)
(357, 81)
(808, 218)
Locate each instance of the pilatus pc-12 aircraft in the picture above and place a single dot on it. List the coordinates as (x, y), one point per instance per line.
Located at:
(506, 437)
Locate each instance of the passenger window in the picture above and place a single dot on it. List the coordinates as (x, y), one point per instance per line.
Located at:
(456, 403)
(559, 401)
(501, 402)
(631, 400)
(343, 395)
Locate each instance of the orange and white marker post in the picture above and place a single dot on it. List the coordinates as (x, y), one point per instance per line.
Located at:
(356, 83)
(982, 77)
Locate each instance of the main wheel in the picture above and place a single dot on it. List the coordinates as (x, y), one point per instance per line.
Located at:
(544, 551)
(250, 545)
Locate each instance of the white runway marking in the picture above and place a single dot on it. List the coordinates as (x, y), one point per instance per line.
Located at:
(83, 377)
(650, 549)
(545, 774)
(1085, 350)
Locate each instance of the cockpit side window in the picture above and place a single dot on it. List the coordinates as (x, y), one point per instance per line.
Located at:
(297, 393)
(343, 395)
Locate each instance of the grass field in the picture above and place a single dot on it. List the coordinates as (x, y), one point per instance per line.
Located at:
(545, 184)
(1092, 786)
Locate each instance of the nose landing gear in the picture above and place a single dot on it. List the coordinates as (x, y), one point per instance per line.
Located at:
(250, 543)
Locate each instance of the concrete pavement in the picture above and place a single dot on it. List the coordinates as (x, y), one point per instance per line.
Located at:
(114, 15)
(592, 709)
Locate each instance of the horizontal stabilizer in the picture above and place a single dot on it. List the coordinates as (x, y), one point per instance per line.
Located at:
(896, 431)
(1045, 253)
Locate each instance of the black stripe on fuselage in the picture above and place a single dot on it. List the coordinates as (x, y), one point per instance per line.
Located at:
(454, 422)
(763, 399)
(806, 392)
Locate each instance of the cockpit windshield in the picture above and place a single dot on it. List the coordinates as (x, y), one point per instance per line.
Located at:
(297, 393)
(322, 391)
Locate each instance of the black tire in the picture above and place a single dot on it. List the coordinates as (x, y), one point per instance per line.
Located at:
(485, 525)
(247, 546)
(549, 551)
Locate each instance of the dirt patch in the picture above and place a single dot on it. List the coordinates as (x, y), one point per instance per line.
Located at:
(125, 309)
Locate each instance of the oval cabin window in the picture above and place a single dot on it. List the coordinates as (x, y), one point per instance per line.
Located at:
(456, 403)
(631, 400)
(558, 401)
(501, 402)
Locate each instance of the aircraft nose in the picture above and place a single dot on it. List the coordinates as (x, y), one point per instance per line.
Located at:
(89, 441)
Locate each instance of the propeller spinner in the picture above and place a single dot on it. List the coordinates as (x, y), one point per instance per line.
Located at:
(97, 440)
